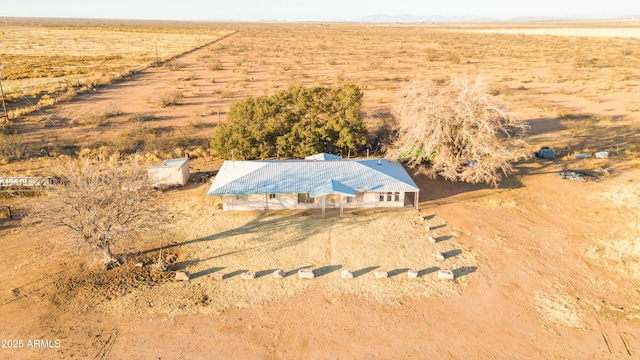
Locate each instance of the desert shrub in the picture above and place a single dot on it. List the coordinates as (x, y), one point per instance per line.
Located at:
(293, 123)
(174, 66)
(12, 148)
(113, 112)
(214, 65)
(141, 117)
(170, 98)
(94, 120)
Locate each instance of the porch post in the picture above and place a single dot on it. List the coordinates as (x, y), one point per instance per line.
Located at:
(416, 198)
(324, 201)
(266, 202)
(341, 212)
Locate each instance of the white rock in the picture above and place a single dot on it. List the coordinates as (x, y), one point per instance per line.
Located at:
(432, 240)
(412, 274)
(248, 275)
(428, 228)
(346, 274)
(382, 275)
(422, 217)
(183, 276)
(279, 274)
(445, 275)
(439, 255)
(305, 274)
(219, 275)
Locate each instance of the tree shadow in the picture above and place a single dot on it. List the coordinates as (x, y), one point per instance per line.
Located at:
(295, 271)
(267, 224)
(326, 270)
(452, 253)
(427, 271)
(364, 271)
(465, 270)
(395, 272)
(440, 189)
(437, 227)
(262, 273)
(206, 272)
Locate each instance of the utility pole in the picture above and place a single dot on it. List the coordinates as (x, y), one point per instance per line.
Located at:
(155, 41)
(4, 105)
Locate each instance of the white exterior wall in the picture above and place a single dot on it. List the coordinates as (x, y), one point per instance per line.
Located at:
(290, 201)
(258, 202)
(372, 199)
(185, 173)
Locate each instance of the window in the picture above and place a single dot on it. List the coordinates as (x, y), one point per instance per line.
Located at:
(389, 196)
(242, 197)
(350, 199)
(304, 198)
(272, 196)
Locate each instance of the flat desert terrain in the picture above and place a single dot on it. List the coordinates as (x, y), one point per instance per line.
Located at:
(546, 268)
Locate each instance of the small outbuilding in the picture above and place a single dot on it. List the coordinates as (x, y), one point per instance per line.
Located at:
(170, 172)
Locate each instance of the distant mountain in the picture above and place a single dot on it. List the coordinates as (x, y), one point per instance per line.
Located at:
(408, 18)
(539, 18)
(629, 17)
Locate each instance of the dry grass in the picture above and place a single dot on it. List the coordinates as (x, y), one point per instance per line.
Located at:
(558, 307)
(620, 251)
(265, 242)
(55, 60)
(171, 98)
(524, 70)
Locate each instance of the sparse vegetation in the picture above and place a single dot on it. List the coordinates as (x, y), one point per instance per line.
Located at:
(171, 98)
(141, 117)
(12, 148)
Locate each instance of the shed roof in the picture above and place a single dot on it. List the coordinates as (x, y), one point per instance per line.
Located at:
(170, 163)
(323, 156)
(317, 177)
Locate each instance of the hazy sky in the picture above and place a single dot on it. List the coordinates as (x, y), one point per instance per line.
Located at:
(316, 10)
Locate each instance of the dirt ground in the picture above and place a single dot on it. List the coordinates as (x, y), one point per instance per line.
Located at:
(546, 268)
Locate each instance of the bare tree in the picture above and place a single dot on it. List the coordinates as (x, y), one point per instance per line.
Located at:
(99, 203)
(459, 131)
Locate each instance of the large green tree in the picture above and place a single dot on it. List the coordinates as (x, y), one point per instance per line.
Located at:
(293, 123)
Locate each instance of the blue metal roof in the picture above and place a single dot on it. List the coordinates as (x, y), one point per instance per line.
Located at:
(170, 163)
(305, 176)
(332, 187)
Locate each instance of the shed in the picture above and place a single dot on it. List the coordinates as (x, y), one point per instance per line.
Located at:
(169, 172)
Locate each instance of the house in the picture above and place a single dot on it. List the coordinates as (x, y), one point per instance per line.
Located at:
(169, 172)
(318, 181)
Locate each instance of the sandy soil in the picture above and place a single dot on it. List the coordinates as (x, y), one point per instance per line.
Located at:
(547, 268)
(543, 279)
